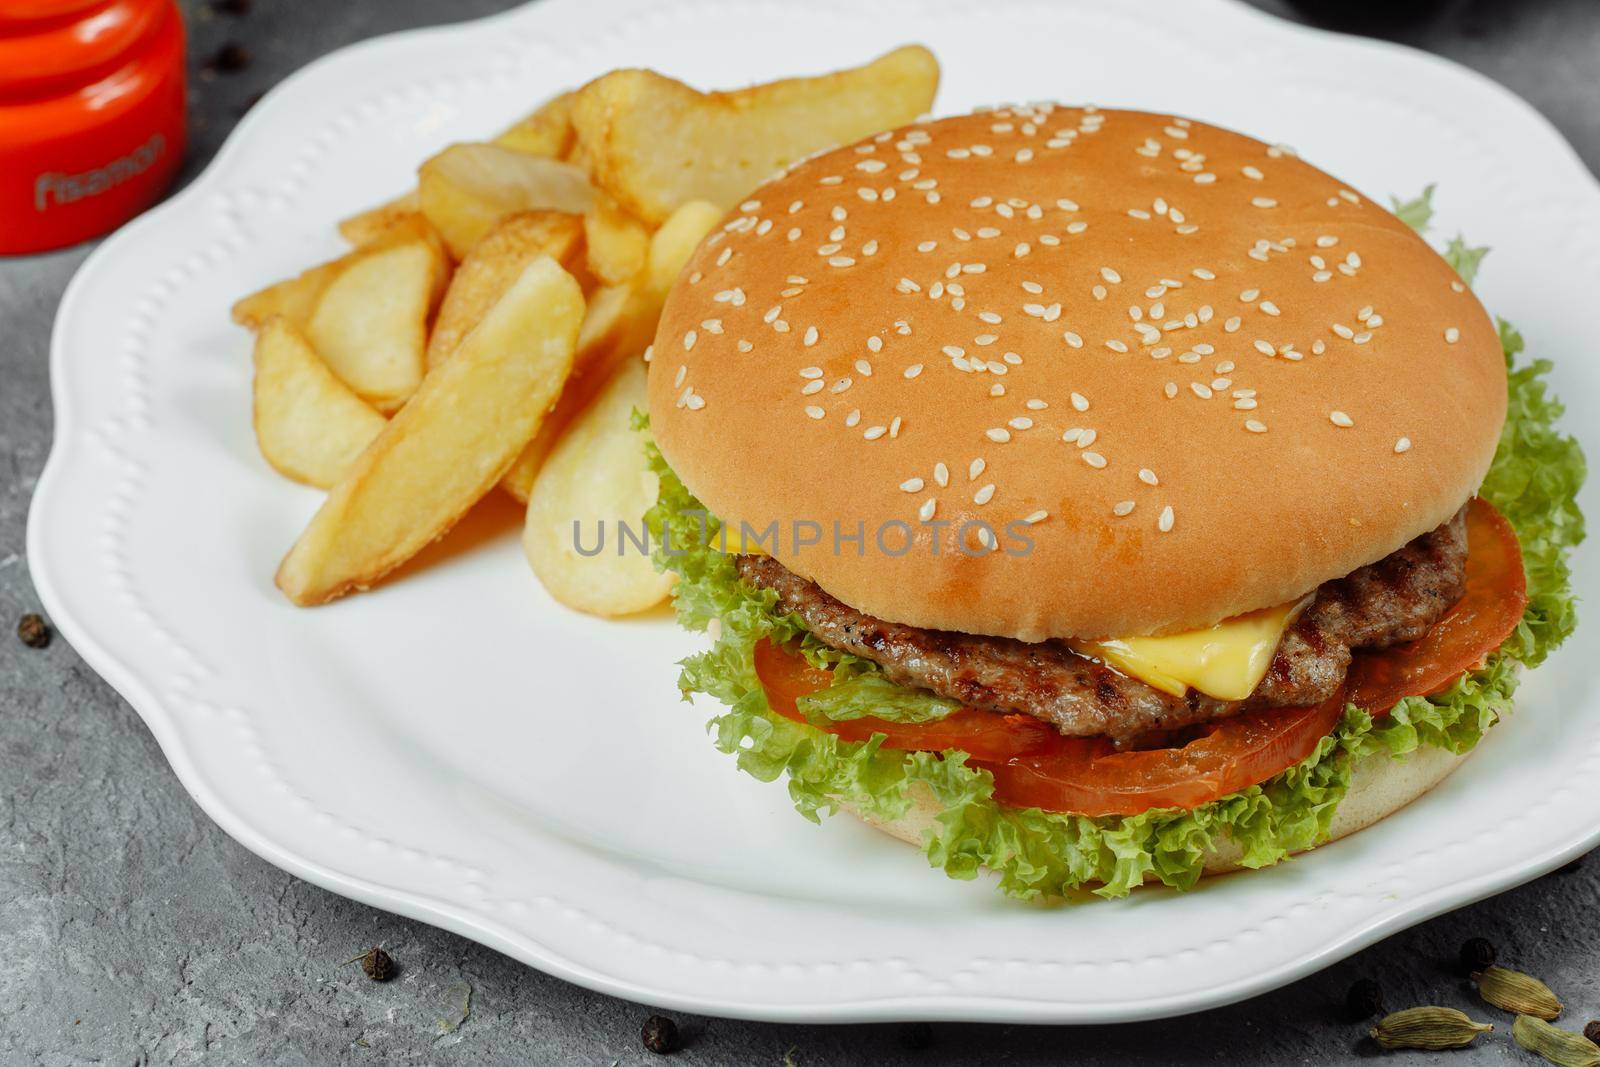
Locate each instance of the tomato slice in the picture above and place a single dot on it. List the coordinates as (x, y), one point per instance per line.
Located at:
(1479, 623)
(983, 735)
(1034, 766)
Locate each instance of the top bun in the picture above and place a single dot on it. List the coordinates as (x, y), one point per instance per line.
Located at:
(1207, 375)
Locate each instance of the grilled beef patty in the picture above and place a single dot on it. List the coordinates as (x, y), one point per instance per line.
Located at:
(1393, 600)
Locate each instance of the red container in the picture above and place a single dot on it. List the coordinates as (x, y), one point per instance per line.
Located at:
(91, 116)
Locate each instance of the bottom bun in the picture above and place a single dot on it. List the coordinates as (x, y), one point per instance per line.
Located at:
(1380, 785)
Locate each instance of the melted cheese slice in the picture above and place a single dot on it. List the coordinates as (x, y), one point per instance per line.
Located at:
(1226, 661)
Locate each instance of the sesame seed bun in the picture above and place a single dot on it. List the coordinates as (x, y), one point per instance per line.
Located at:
(1380, 785)
(1198, 375)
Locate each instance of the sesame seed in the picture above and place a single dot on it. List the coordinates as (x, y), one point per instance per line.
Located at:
(1170, 389)
(1339, 418)
(1164, 523)
(941, 474)
(1035, 517)
(1123, 507)
(984, 495)
(1452, 335)
(689, 339)
(998, 434)
(1079, 403)
(913, 370)
(810, 337)
(815, 412)
(872, 433)
(1232, 324)
(1116, 346)
(1148, 476)
(1199, 390)
(975, 469)
(1094, 459)
(812, 387)
(912, 485)
(927, 246)
(745, 346)
(929, 506)
(1110, 275)
(810, 372)
(1265, 348)
(1072, 339)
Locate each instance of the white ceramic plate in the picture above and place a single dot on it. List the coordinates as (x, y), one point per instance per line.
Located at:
(458, 748)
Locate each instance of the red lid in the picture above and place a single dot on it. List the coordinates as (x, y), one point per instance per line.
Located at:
(91, 116)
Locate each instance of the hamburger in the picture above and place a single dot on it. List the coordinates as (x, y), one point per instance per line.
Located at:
(1098, 497)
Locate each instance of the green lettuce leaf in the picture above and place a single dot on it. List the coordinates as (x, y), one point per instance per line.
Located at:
(1416, 213)
(1533, 481)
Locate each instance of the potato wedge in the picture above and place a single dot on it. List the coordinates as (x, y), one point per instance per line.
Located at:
(296, 298)
(620, 323)
(467, 188)
(617, 243)
(448, 446)
(369, 225)
(597, 475)
(673, 244)
(309, 425)
(492, 265)
(371, 322)
(547, 131)
(655, 143)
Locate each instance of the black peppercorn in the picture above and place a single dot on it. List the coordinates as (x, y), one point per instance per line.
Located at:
(32, 631)
(230, 58)
(1592, 1031)
(916, 1036)
(1477, 953)
(660, 1035)
(1364, 999)
(378, 964)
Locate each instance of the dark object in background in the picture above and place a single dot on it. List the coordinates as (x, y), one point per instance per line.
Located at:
(1477, 953)
(1369, 16)
(229, 59)
(33, 631)
(916, 1036)
(237, 8)
(1363, 1000)
(1592, 1031)
(378, 964)
(660, 1035)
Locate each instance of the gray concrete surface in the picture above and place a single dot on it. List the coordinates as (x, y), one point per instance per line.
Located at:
(132, 930)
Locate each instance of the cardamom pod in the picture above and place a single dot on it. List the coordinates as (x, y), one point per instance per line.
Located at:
(1560, 1047)
(1427, 1028)
(1518, 993)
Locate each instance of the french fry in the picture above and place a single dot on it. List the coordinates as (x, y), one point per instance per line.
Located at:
(493, 264)
(369, 225)
(673, 244)
(616, 242)
(296, 298)
(547, 131)
(619, 320)
(371, 321)
(597, 474)
(467, 188)
(448, 446)
(655, 143)
(619, 324)
(309, 425)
